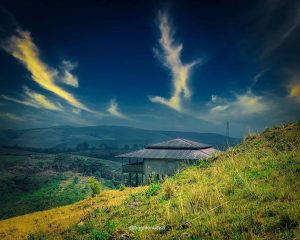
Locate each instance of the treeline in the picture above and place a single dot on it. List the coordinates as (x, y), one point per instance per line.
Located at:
(80, 147)
(87, 166)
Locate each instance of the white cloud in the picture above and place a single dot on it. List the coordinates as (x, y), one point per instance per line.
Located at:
(67, 77)
(170, 56)
(113, 109)
(240, 107)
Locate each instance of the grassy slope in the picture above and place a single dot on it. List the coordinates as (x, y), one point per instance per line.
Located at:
(31, 182)
(249, 192)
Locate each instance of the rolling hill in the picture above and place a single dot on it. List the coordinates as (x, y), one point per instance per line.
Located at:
(67, 137)
(250, 191)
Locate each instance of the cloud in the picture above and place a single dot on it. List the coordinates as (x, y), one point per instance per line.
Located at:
(240, 107)
(21, 47)
(287, 27)
(12, 99)
(68, 78)
(10, 116)
(113, 109)
(259, 75)
(35, 100)
(170, 56)
(40, 100)
(294, 91)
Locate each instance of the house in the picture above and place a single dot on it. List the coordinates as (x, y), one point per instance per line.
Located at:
(156, 161)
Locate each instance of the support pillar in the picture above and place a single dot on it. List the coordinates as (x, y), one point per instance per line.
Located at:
(130, 180)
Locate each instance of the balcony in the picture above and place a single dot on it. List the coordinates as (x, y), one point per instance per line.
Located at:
(133, 168)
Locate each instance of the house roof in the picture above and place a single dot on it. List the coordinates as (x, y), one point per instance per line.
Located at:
(173, 149)
(178, 143)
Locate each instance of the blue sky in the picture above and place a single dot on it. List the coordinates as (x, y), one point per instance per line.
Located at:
(175, 65)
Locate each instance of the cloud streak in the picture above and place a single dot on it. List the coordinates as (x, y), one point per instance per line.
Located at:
(171, 58)
(113, 109)
(21, 47)
(33, 99)
(40, 100)
(10, 116)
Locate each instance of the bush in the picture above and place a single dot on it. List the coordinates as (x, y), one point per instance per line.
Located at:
(95, 186)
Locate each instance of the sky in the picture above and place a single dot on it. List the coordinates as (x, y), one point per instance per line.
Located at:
(167, 65)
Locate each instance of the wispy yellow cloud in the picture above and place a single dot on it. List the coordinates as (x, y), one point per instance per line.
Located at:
(34, 99)
(113, 109)
(295, 91)
(40, 100)
(170, 56)
(23, 48)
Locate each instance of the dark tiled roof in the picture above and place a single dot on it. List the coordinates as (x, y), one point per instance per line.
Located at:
(167, 154)
(178, 143)
(173, 149)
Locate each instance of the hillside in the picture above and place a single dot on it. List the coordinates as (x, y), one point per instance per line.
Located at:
(31, 182)
(67, 137)
(251, 191)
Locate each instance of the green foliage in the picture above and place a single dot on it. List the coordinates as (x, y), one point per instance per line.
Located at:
(95, 186)
(32, 182)
(97, 226)
(35, 237)
(153, 189)
(201, 163)
(122, 187)
(55, 192)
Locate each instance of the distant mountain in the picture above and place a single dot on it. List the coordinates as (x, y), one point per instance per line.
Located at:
(68, 137)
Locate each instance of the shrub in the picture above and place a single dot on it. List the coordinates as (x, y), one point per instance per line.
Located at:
(153, 189)
(94, 185)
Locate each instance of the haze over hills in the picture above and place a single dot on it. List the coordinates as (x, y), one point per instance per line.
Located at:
(68, 137)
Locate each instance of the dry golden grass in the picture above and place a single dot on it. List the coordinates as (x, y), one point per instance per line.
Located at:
(58, 219)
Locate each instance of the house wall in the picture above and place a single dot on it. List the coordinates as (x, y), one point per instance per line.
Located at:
(163, 167)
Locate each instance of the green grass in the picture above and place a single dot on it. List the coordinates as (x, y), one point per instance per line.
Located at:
(58, 191)
(251, 191)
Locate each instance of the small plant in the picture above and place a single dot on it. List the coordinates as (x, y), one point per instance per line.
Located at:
(153, 189)
(201, 163)
(122, 187)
